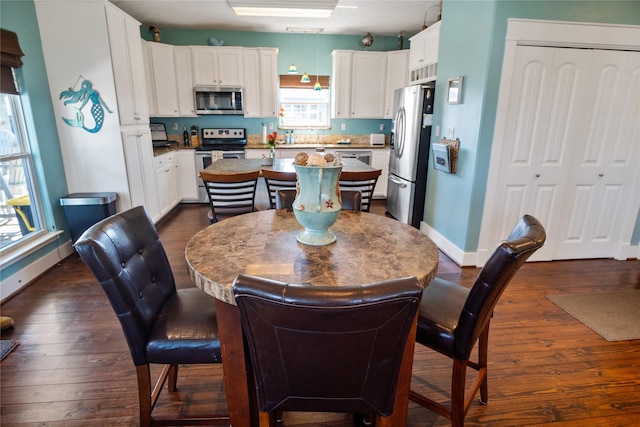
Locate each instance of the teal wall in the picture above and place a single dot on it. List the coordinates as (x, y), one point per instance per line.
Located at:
(309, 52)
(20, 17)
(472, 39)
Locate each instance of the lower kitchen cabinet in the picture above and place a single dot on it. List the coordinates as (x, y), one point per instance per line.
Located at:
(139, 159)
(187, 183)
(380, 160)
(167, 181)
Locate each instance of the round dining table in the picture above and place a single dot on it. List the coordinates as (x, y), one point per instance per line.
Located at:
(368, 248)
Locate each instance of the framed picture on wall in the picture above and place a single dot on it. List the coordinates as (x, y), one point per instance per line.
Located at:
(454, 91)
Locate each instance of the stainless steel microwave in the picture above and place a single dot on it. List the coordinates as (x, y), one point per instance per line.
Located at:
(218, 100)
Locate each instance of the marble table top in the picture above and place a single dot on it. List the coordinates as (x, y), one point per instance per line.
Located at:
(282, 165)
(369, 248)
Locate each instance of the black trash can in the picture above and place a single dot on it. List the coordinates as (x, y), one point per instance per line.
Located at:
(82, 210)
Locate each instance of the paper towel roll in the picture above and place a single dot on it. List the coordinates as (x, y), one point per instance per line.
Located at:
(264, 134)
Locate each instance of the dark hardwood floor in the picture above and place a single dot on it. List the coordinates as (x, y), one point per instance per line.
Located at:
(72, 367)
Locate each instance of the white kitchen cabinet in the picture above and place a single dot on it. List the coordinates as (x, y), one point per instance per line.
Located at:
(397, 77)
(166, 181)
(217, 66)
(423, 57)
(358, 84)
(260, 90)
(148, 77)
(128, 66)
(251, 88)
(164, 81)
(138, 152)
(187, 183)
(269, 82)
(341, 84)
(257, 153)
(380, 160)
(368, 79)
(184, 81)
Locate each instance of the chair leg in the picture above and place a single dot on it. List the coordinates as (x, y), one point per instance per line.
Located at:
(483, 345)
(144, 394)
(172, 385)
(268, 419)
(458, 379)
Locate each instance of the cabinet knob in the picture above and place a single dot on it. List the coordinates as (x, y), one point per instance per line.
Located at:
(600, 175)
(537, 175)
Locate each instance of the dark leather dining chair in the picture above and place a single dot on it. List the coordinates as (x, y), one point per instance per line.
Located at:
(452, 318)
(363, 181)
(162, 325)
(230, 193)
(278, 180)
(326, 349)
(351, 200)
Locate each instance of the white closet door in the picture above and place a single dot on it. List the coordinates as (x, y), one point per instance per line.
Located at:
(606, 158)
(570, 150)
(544, 104)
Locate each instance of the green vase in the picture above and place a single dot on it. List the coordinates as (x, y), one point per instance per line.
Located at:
(317, 203)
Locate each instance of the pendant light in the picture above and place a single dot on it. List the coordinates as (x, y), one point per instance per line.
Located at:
(317, 86)
(292, 67)
(305, 77)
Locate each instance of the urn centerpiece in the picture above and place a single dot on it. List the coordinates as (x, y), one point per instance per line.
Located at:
(317, 202)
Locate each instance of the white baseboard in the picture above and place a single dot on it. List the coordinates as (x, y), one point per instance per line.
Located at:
(22, 278)
(463, 259)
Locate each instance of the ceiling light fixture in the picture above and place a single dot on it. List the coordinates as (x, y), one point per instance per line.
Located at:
(284, 8)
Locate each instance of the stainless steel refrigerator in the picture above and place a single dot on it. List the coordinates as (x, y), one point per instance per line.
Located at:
(410, 147)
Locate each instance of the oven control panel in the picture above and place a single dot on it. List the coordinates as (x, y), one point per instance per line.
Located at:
(227, 133)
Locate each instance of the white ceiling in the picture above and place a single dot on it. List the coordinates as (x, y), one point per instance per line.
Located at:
(387, 18)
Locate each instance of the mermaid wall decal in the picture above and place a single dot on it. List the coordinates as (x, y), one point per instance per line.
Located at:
(82, 96)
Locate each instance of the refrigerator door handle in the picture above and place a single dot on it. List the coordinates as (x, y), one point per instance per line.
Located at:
(398, 147)
(397, 181)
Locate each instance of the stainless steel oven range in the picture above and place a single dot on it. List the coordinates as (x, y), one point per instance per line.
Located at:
(229, 141)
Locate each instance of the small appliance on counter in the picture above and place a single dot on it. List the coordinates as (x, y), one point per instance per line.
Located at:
(376, 139)
(159, 135)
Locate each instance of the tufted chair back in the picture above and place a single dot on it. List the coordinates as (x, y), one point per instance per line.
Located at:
(125, 254)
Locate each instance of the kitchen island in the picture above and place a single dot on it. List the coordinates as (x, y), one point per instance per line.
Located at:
(231, 166)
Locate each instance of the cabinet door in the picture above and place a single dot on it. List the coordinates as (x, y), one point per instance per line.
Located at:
(341, 84)
(138, 151)
(148, 74)
(368, 79)
(167, 182)
(205, 63)
(184, 81)
(397, 77)
(164, 79)
(380, 160)
(251, 90)
(128, 66)
(187, 183)
(230, 66)
(269, 82)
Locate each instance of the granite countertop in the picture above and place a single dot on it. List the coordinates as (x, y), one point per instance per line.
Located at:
(232, 166)
(264, 243)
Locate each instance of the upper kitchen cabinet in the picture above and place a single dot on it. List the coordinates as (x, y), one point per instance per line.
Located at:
(217, 66)
(163, 80)
(128, 66)
(423, 59)
(397, 77)
(359, 80)
(260, 82)
(184, 80)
